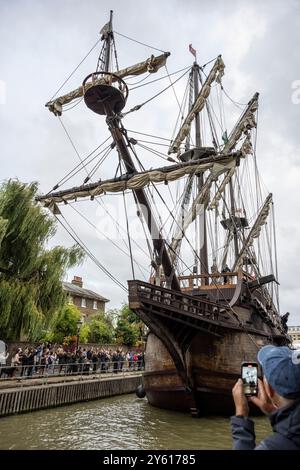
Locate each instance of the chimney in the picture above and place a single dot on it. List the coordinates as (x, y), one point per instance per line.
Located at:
(77, 281)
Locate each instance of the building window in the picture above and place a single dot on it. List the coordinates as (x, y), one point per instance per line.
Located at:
(83, 302)
(95, 306)
(70, 300)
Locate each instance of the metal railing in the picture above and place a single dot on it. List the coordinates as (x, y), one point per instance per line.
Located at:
(80, 369)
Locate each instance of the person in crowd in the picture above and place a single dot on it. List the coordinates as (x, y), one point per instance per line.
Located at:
(135, 361)
(129, 358)
(115, 358)
(140, 360)
(59, 361)
(3, 358)
(225, 269)
(95, 360)
(278, 398)
(30, 361)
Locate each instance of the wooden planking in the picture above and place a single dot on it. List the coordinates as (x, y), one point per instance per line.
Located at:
(45, 396)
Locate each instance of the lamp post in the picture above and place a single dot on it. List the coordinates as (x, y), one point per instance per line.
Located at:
(79, 323)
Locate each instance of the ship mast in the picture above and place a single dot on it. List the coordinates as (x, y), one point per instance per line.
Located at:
(202, 217)
(106, 99)
(108, 43)
(233, 208)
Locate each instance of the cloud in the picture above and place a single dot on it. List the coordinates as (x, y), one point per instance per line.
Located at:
(41, 42)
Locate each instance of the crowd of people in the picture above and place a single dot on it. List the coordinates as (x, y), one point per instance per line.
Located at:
(55, 359)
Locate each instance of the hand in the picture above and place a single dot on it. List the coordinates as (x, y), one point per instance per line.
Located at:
(262, 400)
(240, 400)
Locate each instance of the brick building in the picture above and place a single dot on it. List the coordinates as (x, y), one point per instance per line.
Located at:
(88, 302)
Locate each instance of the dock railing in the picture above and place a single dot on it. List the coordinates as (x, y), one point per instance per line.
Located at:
(98, 369)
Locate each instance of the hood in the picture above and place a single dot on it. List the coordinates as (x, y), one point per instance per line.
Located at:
(286, 422)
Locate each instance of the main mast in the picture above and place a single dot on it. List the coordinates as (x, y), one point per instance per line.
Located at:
(203, 256)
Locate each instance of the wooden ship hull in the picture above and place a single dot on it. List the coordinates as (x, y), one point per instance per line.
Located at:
(195, 347)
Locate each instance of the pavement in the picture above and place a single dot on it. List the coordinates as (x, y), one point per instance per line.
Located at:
(17, 382)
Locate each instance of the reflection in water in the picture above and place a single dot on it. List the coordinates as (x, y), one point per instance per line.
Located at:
(124, 422)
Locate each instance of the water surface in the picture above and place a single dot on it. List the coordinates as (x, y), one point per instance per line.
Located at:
(123, 422)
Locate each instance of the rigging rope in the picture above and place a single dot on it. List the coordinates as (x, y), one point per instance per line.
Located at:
(174, 91)
(128, 80)
(128, 235)
(76, 68)
(149, 135)
(72, 143)
(79, 242)
(77, 102)
(99, 202)
(115, 52)
(276, 257)
(238, 105)
(139, 42)
(139, 106)
(98, 164)
(108, 238)
(213, 281)
(157, 79)
(78, 167)
(184, 100)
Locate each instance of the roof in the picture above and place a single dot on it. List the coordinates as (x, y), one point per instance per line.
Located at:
(89, 294)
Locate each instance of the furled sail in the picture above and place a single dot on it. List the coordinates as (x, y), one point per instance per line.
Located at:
(215, 201)
(151, 65)
(215, 74)
(255, 231)
(244, 124)
(201, 198)
(137, 181)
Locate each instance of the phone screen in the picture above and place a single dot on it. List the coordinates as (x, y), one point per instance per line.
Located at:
(249, 377)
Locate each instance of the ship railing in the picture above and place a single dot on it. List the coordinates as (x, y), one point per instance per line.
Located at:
(140, 291)
(20, 373)
(203, 281)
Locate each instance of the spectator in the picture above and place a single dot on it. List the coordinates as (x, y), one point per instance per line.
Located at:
(278, 397)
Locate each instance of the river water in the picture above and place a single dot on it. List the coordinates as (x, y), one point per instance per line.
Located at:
(123, 422)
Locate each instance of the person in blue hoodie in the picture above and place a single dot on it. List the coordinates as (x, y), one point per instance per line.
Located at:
(278, 397)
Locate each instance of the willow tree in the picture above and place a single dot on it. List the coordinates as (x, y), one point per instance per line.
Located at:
(30, 274)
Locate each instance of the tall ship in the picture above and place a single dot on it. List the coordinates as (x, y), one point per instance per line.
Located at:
(208, 289)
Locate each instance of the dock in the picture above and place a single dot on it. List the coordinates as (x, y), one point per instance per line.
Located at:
(38, 394)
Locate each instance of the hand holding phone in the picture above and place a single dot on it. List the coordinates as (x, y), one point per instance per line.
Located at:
(249, 377)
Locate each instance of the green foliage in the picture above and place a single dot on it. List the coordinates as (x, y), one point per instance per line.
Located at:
(128, 327)
(30, 276)
(111, 316)
(101, 329)
(85, 331)
(48, 337)
(66, 323)
(3, 227)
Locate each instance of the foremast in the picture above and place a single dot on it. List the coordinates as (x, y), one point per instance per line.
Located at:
(102, 97)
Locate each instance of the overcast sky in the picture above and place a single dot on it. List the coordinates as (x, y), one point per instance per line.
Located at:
(41, 41)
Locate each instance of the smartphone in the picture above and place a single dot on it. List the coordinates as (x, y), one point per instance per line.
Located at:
(249, 377)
